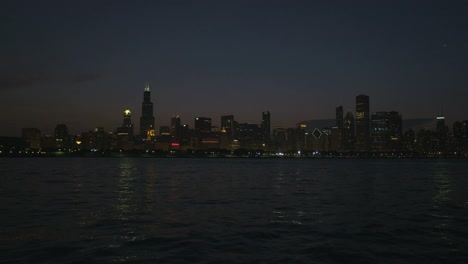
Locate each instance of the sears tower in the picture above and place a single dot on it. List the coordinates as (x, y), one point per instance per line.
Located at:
(147, 118)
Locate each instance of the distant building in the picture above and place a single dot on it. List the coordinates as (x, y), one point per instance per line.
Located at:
(266, 125)
(280, 139)
(338, 132)
(362, 123)
(175, 127)
(335, 138)
(250, 136)
(203, 138)
(348, 139)
(442, 134)
(409, 141)
(127, 125)
(32, 137)
(460, 136)
(61, 136)
(396, 130)
(184, 136)
(164, 131)
(147, 118)
(339, 117)
(100, 140)
(202, 124)
(12, 146)
(386, 133)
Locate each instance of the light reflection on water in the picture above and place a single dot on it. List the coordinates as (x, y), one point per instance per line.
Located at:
(443, 184)
(126, 181)
(442, 196)
(214, 211)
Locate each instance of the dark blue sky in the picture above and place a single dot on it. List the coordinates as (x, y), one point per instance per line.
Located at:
(83, 63)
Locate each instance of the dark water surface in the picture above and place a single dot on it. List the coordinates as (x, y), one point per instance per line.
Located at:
(136, 210)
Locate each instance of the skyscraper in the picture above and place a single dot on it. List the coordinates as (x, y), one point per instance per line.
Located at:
(228, 124)
(362, 123)
(203, 124)
(266, 125)
(127, 126)
(175, 126)
(61, 136)
(347, 142)
(339, 117)
(147, 118)
(442, 133)
(396, 130)
(32, 137)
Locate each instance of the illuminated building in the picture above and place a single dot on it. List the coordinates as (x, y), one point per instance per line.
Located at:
(266, 125)
(97, 140)
(175, 127)
(301, 137)
(362, 123)
(459, 136)
(249, 136)
(202, 124)
(408, 140)
(184, 135)
(339, 117)
(386, 131)
(337, 134)
(347, 142)
(164, 131)
(396, 130)
(147, 118)
(280, 139)
(61, 136)
(228, 124)
(32, 136)
(127, 126)
(202, 133)
(223, 139)
(335, 138)
(441, 134)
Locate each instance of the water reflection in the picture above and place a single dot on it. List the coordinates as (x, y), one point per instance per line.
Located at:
(443, 184)
(125, 191)
(126, 206)
(289, 185)
(150, 187)
(443, 188)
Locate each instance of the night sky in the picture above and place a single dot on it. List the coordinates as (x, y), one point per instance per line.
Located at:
(83, 63)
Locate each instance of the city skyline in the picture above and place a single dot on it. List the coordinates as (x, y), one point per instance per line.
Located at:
(133, 118)
(130, 122)
(369, 133)
(82, 63)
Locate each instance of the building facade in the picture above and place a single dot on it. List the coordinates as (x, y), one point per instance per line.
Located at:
(362, 123)
(147, 118)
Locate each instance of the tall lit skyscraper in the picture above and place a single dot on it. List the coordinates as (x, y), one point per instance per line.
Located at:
(33, 137)
(147, 118)
(61, 135)
(347, 142)
(362, 123)
(339, 117)
(228, 124)
(266, 124)
(175, 126)
(127, 126)
(386, 131)
(441, 133)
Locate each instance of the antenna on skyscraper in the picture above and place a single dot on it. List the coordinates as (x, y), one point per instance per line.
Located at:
(147, 87)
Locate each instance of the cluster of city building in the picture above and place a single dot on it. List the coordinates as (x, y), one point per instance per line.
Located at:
(377, 134)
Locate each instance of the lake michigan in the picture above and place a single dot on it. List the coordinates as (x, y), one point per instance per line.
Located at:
(150, 210)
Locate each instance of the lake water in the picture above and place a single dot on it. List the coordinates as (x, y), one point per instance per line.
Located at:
(146, 210)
